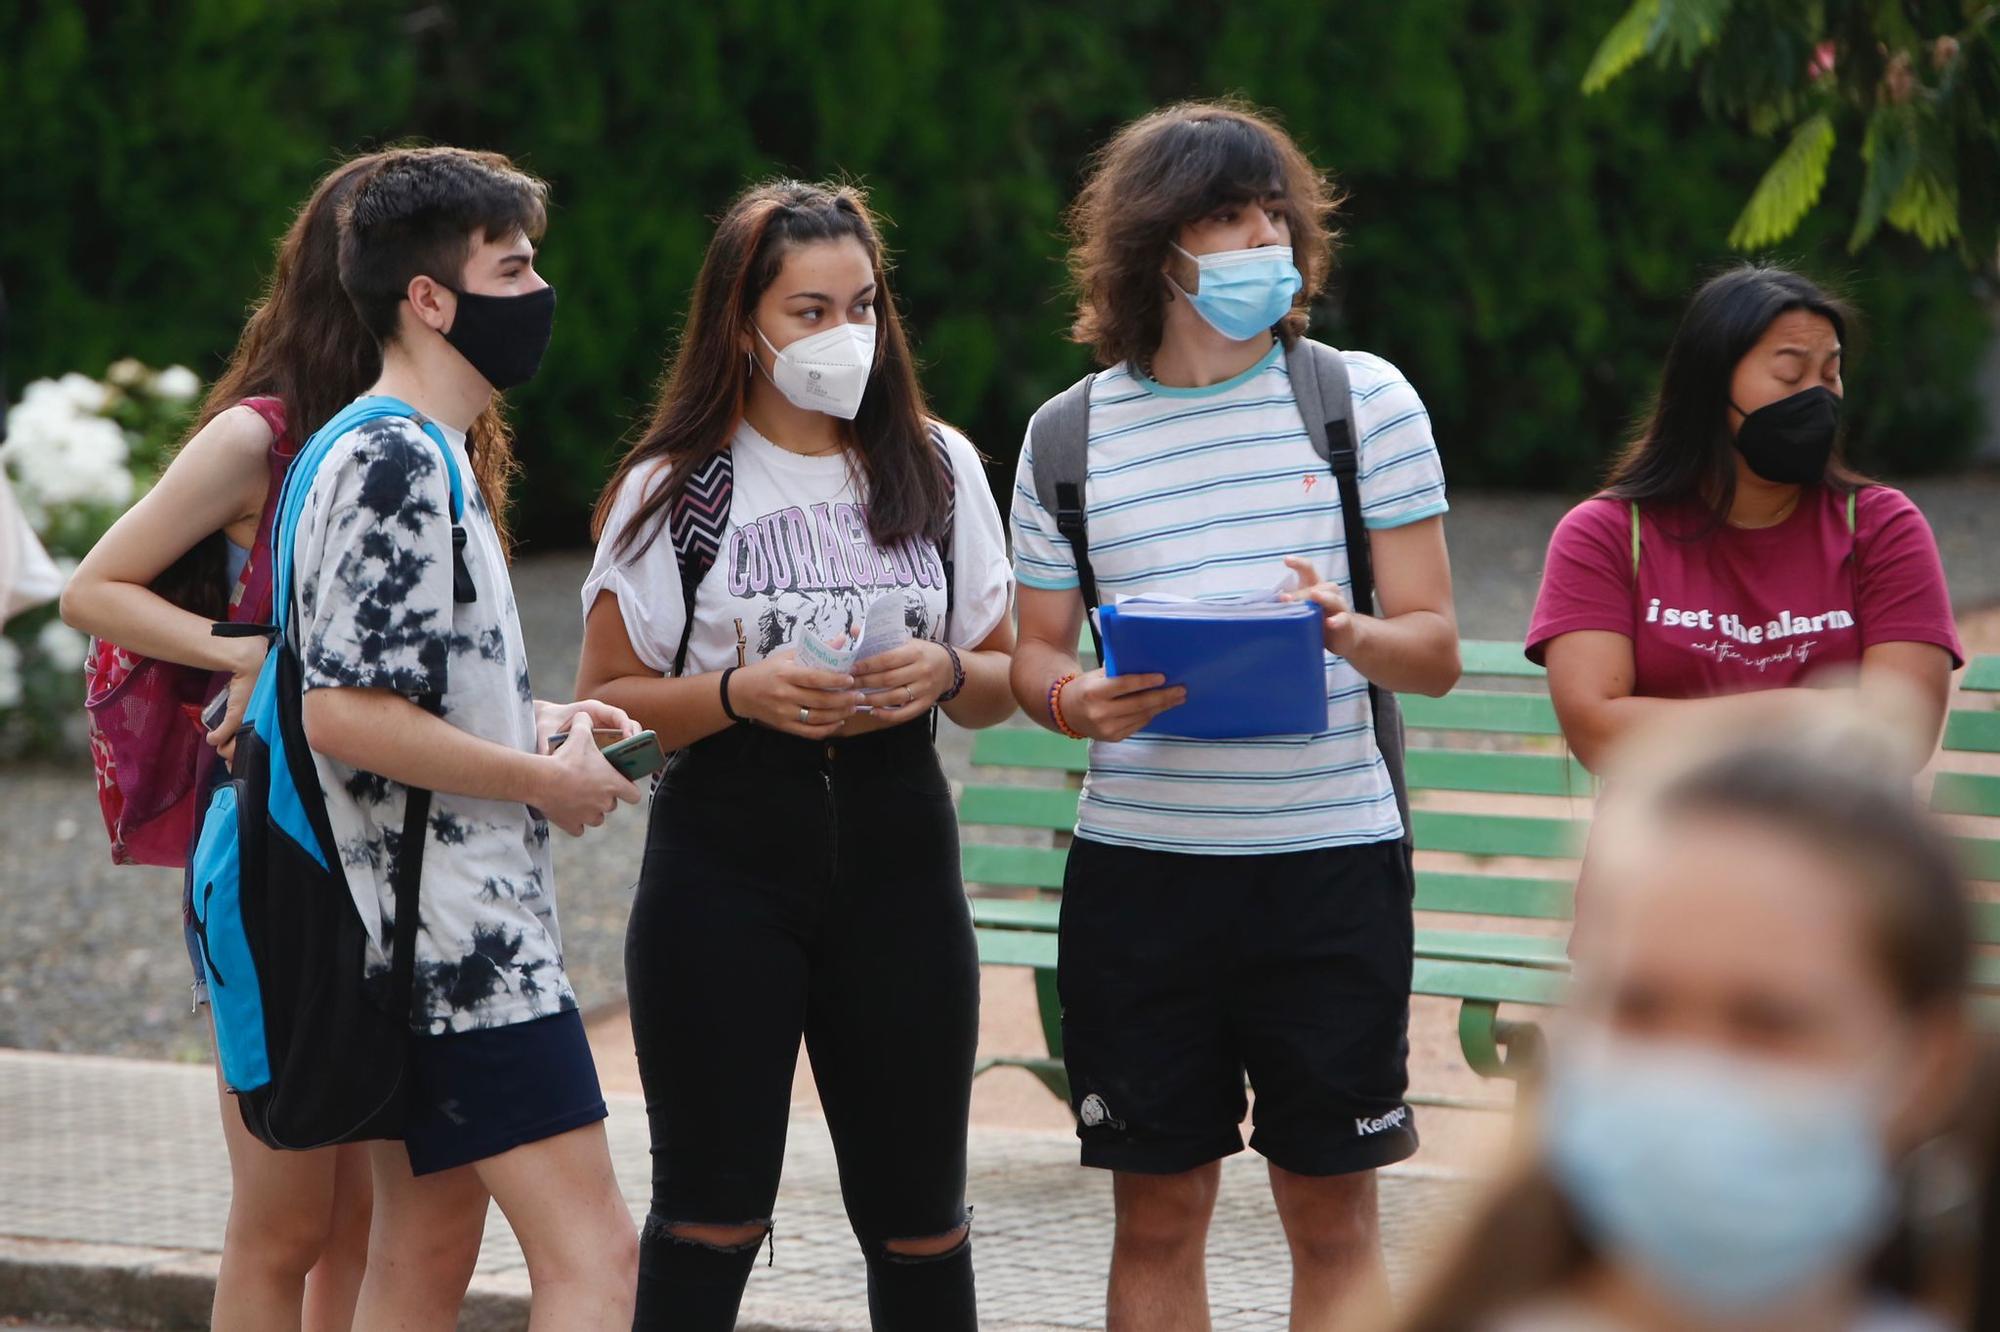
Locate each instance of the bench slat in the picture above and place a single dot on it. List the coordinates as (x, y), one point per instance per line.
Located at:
(1966, 793)
(1019, 747)
(1494, 895)
(1484, 770)
(1051, 807)
(1523, 950)
(1484, 656)
(1016, 948)
(1012, 866)
(1972, 732)
(1488, 981)
(1476, 710)
(1980, 856)
(1498, 834)
(1982, 676)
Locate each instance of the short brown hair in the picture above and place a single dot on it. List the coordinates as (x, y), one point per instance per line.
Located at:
(1162, 172)
(420, 211)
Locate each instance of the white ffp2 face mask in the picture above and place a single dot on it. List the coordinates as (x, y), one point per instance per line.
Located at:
(826, 371)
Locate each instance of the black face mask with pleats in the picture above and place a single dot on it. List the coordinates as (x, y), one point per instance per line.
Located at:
(1790, 441)
(503, 337)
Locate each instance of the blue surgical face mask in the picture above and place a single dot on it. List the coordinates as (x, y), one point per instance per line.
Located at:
(1728, 1182)
(1242, 293)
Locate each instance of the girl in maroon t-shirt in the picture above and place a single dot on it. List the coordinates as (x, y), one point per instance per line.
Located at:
(1733, 551)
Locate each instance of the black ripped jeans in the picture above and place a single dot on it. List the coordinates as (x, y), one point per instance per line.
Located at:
(794, 887)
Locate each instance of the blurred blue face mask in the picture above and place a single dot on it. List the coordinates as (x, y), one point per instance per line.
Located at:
(1730, 1183)
(1242, 293)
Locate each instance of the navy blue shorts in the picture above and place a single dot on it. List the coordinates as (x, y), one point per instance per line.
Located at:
(476, 1094)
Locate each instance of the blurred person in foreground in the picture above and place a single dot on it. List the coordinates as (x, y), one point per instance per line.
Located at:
(1766, 1035)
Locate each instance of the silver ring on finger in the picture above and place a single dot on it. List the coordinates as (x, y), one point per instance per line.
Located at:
(908, 696)
(805, 716)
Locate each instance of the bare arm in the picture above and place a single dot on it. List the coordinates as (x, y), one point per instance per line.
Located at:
(1412, 646)
(1591, 678)
(1094, 704)
(382, 732)
(217, 481)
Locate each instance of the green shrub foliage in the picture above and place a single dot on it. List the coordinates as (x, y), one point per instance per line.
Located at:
(1521, 249)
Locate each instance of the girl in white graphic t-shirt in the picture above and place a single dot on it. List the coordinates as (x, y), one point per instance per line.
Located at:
(849, 579)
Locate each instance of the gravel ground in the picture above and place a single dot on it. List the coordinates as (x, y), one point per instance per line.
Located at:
(92, 961)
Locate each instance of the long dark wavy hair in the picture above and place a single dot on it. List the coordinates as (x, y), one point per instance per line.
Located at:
(1684, 453)
(707, 382)
(1160, 173)
(305, 345)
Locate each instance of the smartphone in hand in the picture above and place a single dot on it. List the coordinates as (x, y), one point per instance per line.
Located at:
(639, 756)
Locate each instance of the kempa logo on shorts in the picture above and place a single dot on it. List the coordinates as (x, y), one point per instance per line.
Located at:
(1094, 1112)
(1394, 1119)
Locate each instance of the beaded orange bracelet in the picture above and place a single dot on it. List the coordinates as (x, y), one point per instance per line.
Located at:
(1055, 708)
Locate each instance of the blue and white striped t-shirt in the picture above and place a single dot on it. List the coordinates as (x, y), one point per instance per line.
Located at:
(1202, 491)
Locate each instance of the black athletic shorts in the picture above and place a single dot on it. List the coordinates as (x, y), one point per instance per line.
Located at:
(1181, 973)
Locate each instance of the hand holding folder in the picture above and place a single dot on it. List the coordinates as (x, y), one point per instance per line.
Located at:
(1252, 665)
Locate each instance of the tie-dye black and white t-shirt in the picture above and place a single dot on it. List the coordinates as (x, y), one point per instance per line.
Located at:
(376, 611)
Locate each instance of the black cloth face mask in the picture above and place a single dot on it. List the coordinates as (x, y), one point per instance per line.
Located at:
(1790, 441)
(503, 337)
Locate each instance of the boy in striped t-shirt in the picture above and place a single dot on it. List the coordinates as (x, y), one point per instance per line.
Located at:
(1231, 906)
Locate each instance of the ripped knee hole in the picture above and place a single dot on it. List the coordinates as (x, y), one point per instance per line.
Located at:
(931, 1247)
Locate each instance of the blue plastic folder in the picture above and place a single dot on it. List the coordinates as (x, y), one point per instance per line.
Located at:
(1246, 675)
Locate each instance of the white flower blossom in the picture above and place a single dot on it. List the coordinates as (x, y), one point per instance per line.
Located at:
(62, 645)
(81, 462)
(127, 372)
(85, 392)
(10, 674)
(176, 383)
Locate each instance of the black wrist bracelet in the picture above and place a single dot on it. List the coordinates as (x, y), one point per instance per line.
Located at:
(728, 711)
(957, 674)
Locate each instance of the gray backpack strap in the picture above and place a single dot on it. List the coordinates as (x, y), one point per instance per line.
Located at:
(1059, 438)
(1319, 382)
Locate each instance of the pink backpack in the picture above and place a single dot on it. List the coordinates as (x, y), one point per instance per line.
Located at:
(147, 742)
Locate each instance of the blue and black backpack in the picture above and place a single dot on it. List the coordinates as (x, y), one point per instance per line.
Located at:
(313, 1049)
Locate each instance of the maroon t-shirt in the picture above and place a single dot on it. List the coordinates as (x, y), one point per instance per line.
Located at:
(1732, 609)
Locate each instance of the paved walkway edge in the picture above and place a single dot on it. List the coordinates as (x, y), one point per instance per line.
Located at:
(172, 1290)
(163, 1290)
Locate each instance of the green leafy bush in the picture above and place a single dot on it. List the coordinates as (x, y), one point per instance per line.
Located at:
(1522, 250)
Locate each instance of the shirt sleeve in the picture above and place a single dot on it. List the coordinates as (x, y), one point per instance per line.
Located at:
(1902, 596)
(1042, 557)
(374, 565)
(646, 583)
(1401, 476)
(982, 582)
(1587, 579)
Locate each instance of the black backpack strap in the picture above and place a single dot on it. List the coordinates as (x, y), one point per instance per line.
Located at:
(409, 889)
(1059, 437)
(947, 543)
(695, 524)
(1326, 403)
(948, 536)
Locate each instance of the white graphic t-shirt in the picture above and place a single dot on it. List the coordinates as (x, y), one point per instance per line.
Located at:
(797, 555)
(373, 563)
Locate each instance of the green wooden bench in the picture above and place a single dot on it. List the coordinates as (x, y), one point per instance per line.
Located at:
(1495, 736)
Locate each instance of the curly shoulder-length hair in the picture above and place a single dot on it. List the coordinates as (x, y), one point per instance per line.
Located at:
(1162, 172)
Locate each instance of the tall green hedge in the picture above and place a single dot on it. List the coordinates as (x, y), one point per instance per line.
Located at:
(1520, 250)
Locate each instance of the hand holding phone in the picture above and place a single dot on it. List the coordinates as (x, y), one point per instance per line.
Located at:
(636, 757)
